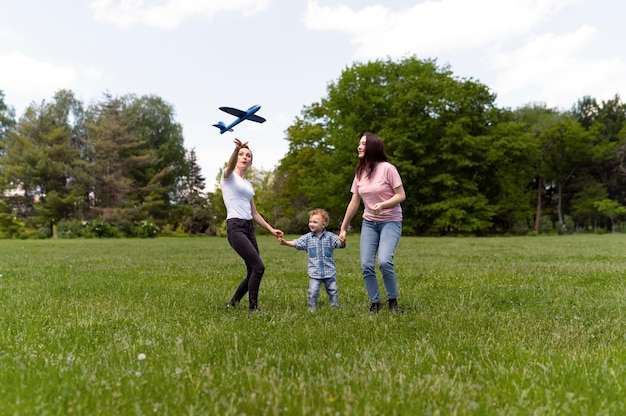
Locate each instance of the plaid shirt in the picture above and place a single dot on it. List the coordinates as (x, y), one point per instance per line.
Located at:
(320, 253)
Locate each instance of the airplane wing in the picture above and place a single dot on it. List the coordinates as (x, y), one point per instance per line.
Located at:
(256, 118)
(235, 112)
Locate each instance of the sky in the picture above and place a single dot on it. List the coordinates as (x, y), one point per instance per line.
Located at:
(199, 55)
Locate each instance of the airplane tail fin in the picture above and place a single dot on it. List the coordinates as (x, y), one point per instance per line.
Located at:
(220, 125)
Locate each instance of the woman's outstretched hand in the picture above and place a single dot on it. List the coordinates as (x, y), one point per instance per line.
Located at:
(239, 144)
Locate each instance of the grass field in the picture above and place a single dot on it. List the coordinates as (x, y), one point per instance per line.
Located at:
(491, 326)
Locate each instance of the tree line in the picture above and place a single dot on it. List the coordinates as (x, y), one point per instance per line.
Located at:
(468, 166)
(115, 167)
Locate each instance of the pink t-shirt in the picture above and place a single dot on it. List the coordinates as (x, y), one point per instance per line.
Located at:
(379, 188)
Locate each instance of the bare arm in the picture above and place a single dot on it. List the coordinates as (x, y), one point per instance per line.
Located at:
(352, 208)
(258, 218)
(232, 161)
(284, 242)
(398, 196)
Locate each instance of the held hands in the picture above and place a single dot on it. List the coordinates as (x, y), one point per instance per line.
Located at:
(342, 237)
(278, 234)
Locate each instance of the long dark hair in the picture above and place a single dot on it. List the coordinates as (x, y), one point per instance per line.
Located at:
(374, 153)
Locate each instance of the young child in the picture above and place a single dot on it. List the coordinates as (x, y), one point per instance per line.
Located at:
(319, 244)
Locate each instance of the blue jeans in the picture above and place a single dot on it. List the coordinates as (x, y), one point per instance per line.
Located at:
(381, 238)
(314, 291)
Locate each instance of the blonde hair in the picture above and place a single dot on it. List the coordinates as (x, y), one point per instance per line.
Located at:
(321, 212)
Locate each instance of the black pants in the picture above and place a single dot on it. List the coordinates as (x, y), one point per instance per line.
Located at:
(242, 238)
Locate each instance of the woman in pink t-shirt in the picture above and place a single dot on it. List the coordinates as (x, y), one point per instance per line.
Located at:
(378, 183)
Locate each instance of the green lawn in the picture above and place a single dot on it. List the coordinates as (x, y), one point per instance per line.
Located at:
(491, 326)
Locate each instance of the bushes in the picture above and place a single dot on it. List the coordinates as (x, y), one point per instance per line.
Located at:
(297, 224)
(70, 229)
(10, 227)
(102, 229)
(146, 229)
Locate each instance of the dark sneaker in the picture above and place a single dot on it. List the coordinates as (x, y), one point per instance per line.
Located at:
(376, 307)
(253, 310)
(393, 306)
(231, 304)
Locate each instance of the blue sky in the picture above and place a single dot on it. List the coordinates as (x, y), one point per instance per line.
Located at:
(199, 55)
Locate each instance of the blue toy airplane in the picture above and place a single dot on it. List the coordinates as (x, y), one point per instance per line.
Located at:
(242, 115)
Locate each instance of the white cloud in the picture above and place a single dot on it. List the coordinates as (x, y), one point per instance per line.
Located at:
(94, 74)
(515, 46)
(126, 13)
(431, 27)
(541, 58)
(550, 66)
(18, 71)
(26, 80)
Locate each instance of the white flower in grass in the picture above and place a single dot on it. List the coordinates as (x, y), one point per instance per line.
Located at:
(141, 356)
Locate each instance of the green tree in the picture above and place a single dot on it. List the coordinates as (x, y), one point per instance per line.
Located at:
(512, 155)
(296, 184)
(565, 152)
(536, 119)
(152, 120)
(7, 120)
(587, 193)
(193, 184)
(436, 131)
(606, 123)
(611, 209)
(8, 225)
(113, 153)
(136, 157)
(41, 158)
(196, 216)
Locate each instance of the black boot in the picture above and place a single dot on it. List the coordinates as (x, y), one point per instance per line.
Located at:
(376, 307)
(393, 305)
(254, 307)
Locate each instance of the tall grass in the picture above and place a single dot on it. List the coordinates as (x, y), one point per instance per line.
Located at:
(505, 326)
